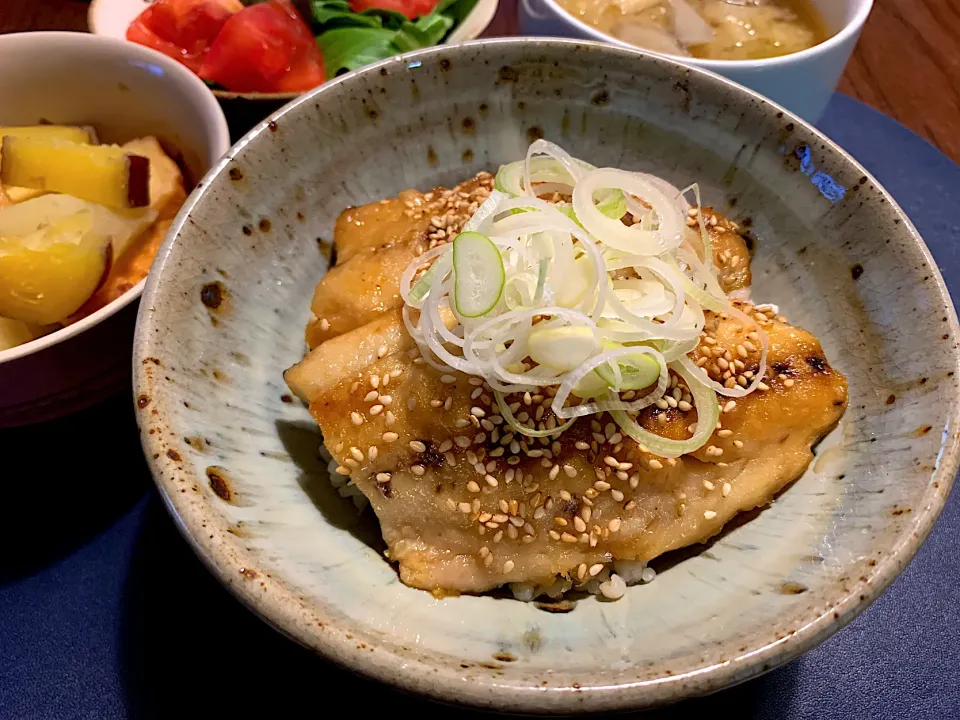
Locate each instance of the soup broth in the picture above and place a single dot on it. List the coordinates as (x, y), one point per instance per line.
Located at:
(710, 29)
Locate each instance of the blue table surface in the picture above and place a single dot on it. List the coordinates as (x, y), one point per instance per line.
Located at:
(106, 613)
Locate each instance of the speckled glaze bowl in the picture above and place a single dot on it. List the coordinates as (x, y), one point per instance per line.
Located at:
(235, 458)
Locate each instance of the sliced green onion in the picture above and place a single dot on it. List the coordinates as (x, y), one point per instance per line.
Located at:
(478, 274)
(563, 348)
(419, 291)
(636, 371)
(708, 412)
(524, 429)
(541, 280)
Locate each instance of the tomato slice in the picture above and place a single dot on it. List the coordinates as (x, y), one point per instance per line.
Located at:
(410, 9)
(265, 48)
(182, 29)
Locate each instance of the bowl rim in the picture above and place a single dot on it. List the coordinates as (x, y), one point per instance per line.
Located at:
(221, 137)
(287, 611)
(848, 31)
(484, 9)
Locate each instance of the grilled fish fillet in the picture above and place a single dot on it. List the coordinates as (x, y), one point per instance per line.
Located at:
(466, 506)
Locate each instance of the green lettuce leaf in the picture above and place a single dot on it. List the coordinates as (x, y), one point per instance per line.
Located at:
(350, 40)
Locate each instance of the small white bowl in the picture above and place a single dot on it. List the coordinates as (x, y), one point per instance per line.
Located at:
(111, 18)
(125, 91)
(801, 82)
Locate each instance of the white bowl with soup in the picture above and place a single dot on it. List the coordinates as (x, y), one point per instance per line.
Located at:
(792, 51)
(100, 142)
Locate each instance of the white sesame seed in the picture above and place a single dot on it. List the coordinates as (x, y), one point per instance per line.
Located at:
(386, 399)
(725, 490)
(684, 406)
(464, 507)
(724, 433)
(374, 381)
(616, 495)
(350, 462)
(554, 471)
(370, 396)
(418, 470)
(376, 409)
(390, 418)
(709, 515)
(788, 383)
(655, 464)
(357, 455)
(462, 441)
(417, 446)
(324, 324)
(383, 477)
(447, 379)
(579, 524)
(390, 437)
(602, 485)
(508, 566)
(738, 443)
(356, 418)
(473, 487)
(477, 412)
(372, 453)
(491, 480)
(411, 403)
(341, 470)
(730, 406)
(570, 471)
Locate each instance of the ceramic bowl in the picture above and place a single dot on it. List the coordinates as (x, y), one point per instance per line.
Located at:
(802, 82)
(111, 18)
(125, 92)
(236, 459)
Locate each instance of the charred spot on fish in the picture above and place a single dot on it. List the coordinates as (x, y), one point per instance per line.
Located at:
(220, 375)
(300, 217)
(444, 64)
(431, 155)
(286, 398)
(247, 230)
(143, 401)
(217, 478)
(504, 657)
(802, 251)
(272, 125)
(534, 133)
(818, 363)
(898, 511)
(601, 98)
(856, 270)
(211, 294)
(386, 489)
(483, 108)
(248, 573)
(236, 174)
(891, 399)
(507, 74)
(790, 127)
(264, 224)
(791, 588)
(782, 367)
(431, 457)
(467, 156)
(383, 72)
(173, 455)
(922, 430)
(863, 180)
(469, 126)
